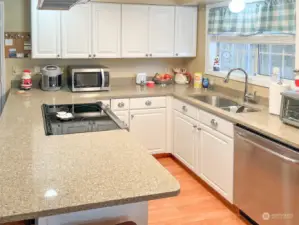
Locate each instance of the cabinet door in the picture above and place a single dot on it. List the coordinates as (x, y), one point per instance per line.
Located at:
(106, 30)
(123, 116)
(149, 126)
(185, 31)
(135, 19)
(45, 32)
(76, 32)
(161, 31)
(217, 160)
(184, 139)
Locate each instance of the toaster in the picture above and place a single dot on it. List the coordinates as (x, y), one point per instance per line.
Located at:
(289, 111)
(141, 78)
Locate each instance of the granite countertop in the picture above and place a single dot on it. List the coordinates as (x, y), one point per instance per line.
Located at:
(92, 170)
(47, 175)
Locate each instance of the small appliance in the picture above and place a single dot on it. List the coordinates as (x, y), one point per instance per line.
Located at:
(88, 78)
(141, 78)
(289, 111)
(79, 118)
(51, 78)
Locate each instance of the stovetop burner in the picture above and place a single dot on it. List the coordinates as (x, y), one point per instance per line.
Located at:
(90, 117)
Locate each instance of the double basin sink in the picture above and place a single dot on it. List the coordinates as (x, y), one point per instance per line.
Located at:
(224, 103)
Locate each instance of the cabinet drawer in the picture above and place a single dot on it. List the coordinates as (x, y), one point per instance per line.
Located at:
(120, 104)
(150, 103)
(185, 108)
(216, 123)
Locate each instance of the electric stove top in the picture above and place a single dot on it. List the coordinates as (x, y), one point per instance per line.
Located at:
(89, 117)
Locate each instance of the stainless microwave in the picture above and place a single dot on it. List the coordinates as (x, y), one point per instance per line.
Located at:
(88, 78)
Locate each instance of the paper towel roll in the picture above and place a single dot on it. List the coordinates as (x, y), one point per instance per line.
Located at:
(275, 97)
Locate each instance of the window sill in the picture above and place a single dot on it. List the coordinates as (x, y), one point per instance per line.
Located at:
(257, 80)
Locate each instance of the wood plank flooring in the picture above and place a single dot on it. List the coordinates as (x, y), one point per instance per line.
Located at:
(194, 205)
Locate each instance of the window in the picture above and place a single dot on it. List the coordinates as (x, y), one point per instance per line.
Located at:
(257, 58)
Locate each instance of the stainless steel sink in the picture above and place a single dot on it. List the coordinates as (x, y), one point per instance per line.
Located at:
(224, 103)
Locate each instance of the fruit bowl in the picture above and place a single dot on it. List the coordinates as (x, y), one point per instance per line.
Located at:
(163, 79)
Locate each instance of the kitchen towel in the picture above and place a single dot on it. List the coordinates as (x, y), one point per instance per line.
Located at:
(275, 91)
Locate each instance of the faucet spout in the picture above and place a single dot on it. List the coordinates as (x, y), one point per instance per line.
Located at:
(246, 95)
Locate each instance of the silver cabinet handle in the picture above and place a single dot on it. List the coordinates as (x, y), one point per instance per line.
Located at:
(94, 55)
(132, 116)
(148, 103)
(151, 55)
(184, 108)
(177, 54)
(58, 56)
(121, 105)
(214, 122)
(89, 56)
(146, 55)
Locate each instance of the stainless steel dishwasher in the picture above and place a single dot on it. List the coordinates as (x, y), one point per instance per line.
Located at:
(266, 179)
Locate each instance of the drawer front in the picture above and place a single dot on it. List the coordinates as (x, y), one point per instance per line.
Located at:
(150, 103)
(216, 123)
(185, 108)
(120, 104)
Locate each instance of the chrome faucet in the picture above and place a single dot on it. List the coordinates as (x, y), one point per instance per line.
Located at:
(247, 96)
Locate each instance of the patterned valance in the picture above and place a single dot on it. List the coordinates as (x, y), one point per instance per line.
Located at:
(265, 17)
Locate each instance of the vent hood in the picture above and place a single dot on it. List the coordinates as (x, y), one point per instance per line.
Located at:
(58, 4)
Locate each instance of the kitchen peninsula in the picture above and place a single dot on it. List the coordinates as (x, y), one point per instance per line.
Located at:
(42, 176)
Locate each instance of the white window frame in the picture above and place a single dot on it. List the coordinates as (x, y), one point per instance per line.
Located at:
(259, 80)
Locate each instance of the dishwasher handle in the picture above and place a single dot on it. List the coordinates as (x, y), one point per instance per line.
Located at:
(268, 150)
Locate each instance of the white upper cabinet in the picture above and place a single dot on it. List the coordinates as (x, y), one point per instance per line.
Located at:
(76, 32)
(45, 32)
(185, 31)
(135, 32)
(161, 31)
(106, 39)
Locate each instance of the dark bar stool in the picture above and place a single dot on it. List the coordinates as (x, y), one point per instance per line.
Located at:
(127, 223)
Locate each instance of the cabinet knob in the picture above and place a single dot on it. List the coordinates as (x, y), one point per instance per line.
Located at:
(148, 103)
(199, 129)
(184, 108)
(89, 56)
(132, 116)
(58, 56)
(177, 54)
(94, 55)
(146, 55)
(121, 105)
(194, 126)
(151, 55)
(214, 122)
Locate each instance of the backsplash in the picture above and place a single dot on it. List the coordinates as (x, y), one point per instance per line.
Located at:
(118, 67)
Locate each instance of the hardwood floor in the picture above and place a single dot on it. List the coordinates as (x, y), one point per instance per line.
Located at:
(194, 205)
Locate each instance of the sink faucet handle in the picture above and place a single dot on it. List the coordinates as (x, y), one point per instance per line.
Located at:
(251, 97)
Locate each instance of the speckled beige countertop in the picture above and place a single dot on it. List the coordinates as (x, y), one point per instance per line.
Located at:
(91, 170)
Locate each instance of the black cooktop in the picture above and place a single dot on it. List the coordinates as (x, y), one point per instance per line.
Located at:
(89, 117)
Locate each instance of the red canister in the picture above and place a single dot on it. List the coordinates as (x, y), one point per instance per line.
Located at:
(26, 80)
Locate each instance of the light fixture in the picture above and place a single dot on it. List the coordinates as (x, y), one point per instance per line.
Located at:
(237, 6)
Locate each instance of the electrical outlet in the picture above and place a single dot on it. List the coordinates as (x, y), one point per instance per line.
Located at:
(16, 71)
(36, 69)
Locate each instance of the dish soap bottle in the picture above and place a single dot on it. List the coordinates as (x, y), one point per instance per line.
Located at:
(198, 80)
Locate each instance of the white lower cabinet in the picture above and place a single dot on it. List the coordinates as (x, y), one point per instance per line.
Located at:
(123, 116)
(149, 127)
(217, 160)
(184, 139)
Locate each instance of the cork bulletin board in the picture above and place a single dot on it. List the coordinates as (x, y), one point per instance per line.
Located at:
(17, 45)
